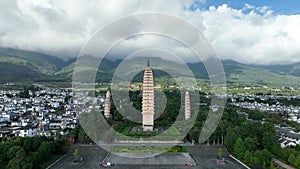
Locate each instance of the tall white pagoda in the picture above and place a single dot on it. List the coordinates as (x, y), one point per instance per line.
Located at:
(107, 105)
(148, 99)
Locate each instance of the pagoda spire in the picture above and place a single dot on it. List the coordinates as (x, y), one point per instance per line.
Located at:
(148, 63)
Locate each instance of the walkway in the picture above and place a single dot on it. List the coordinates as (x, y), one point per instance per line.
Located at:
(282, 164)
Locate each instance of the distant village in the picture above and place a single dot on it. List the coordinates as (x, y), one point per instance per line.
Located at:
(249, 102)
(48, 112)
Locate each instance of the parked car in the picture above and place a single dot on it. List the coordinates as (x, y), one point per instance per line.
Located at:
(108, 164)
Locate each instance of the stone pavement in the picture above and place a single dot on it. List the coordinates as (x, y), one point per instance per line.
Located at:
(205, 157)
(161, 159)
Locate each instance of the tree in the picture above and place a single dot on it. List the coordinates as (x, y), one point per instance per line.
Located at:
(272, 166)
(256, 115)
(34, 159)
(250, 144)
(28, 144)
(44, 151)
(297, 162)
(286, 152)
(239, 148)
(248, 129)
(4, 147)
(76, 152)
(276, 149)
(230, 137)
(292, 159)
(83, 137)
(37, 141)
(258, 160)
(268, 140)
(266, 157)
(17, 141)
(248, 157)
(12, 151)
(268, 137)
(19, 161)
(25, 93)
(220, 153)
(194, 134)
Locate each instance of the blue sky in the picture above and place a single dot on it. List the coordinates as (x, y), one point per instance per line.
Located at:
(288, 7)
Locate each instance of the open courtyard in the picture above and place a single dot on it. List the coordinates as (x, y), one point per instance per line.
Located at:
(200, 156)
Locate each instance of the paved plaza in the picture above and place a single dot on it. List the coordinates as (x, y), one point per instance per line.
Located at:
(163, 159)
(201, 156)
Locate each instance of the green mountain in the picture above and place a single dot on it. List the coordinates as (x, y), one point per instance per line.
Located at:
(275, 75)
(236, 73)
(43, 63)
(17, 73)
(19, 65)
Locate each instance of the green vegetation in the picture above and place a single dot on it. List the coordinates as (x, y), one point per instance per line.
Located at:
(220, 153)
(252, 142)
(40, 62)
(30, 152)
(125, 130)
(166, 119)
(239, 148)
(262, 90)
(76, 152)
(80, 135)
(153, 149)
(261, 76)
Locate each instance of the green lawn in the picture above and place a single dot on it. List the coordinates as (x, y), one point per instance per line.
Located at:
(171, 134)
(153, 149)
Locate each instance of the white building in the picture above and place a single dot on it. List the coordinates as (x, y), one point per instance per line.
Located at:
(28, 132)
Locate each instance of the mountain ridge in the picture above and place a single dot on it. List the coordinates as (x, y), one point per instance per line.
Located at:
(36, 66)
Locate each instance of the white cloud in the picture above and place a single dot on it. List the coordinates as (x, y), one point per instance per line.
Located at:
(250, 35)
(248, 6)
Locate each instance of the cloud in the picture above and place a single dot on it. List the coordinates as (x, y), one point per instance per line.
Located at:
(254, 37)
(249, 35)
(248, 6)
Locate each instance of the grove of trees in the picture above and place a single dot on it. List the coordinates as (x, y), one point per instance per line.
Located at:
(29, 152)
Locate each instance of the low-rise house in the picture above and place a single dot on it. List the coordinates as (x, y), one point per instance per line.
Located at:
(55, 125)
(5, 132)
(287, 137)
(16, 123)
(287, 143)
(28, 132)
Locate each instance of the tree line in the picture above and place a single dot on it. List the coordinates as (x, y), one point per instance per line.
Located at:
(254, 141)
(30, 152)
